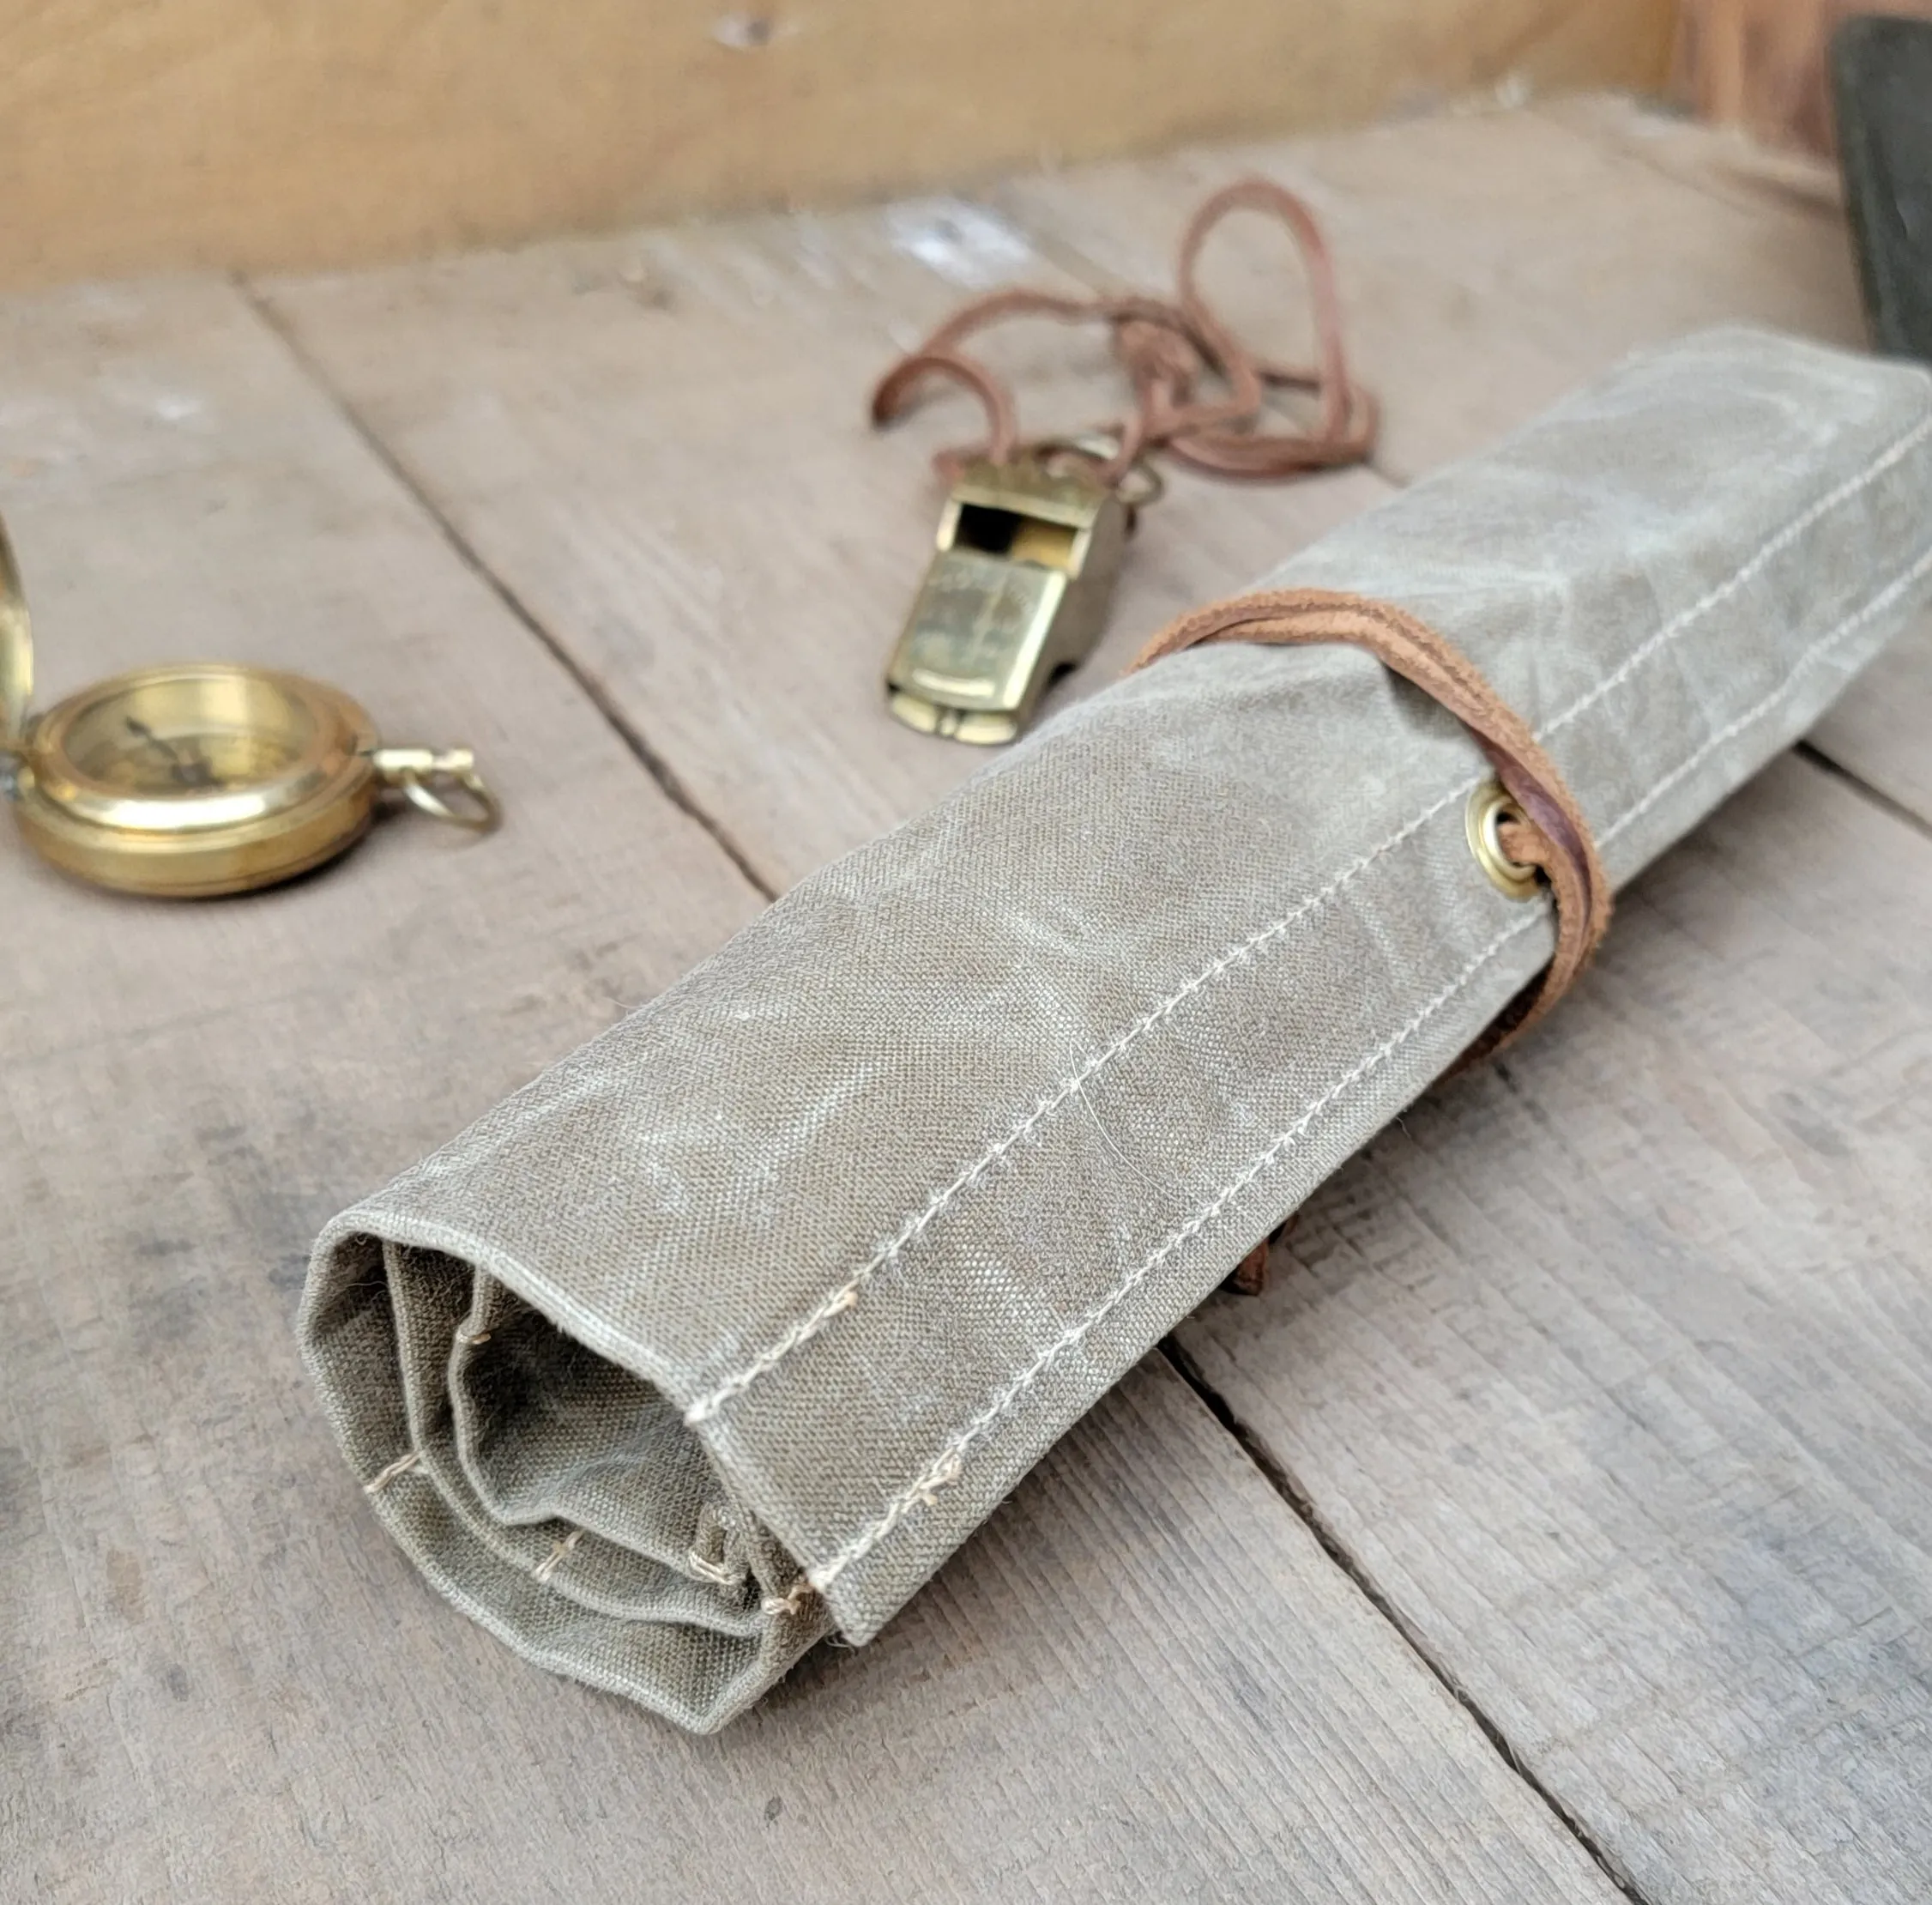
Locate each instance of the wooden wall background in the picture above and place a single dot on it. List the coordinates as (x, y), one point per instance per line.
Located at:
(137, 137)
(1760, 64)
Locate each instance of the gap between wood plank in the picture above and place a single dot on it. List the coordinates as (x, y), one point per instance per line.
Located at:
(1896, 810)
(653, 763)
(1302, 1505)
(1301, 1502)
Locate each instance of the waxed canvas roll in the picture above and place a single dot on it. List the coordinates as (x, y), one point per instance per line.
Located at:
(726, 1330)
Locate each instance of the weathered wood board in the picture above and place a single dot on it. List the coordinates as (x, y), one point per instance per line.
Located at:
(218, 1680)
(1610, 1367)
(660, 445)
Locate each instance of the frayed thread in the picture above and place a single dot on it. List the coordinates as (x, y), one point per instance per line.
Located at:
(794, 1602)
(382, 1479)
(554, 1559)
(716, 1572)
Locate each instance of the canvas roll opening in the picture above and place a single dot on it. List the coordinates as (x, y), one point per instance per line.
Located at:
(529, 1451)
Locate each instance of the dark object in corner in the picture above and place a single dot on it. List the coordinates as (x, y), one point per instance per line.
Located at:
(1882, 91)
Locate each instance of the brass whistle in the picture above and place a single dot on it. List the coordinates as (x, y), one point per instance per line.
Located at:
(1018, 590)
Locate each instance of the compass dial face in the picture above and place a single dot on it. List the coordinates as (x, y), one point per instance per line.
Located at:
(198, 778)
(198, 749)
(137, 760)
(194, 737)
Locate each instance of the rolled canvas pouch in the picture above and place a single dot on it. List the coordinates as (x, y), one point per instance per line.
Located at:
(725, 1331)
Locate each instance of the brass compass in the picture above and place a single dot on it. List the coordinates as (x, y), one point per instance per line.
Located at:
(204, 778)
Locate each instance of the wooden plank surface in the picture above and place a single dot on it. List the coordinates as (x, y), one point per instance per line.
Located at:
(218, 1680)
(224, 134)
(1636, 1458)
(660, 445)
(1610, 1367)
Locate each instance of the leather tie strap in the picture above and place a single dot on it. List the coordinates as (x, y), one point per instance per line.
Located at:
(1550, 834)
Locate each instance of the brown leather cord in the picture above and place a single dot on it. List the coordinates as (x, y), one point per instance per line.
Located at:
(1552, 836)
(1168, 349)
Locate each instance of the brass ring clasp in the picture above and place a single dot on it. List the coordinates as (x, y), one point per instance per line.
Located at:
(425, 777)
(1140, 484)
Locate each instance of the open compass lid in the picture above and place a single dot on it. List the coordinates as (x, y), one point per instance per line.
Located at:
(16, 648)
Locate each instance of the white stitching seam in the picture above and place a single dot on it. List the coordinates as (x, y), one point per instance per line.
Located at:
(1883, 600)
(949, 1463)
(846, 1294)
(947, 1466)
(557, 1557)
(1724, 591)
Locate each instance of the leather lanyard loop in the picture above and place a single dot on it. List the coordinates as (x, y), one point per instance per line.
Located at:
(1169, 349)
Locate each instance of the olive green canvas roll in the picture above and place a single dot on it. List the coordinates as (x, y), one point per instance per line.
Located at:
(724, 1332)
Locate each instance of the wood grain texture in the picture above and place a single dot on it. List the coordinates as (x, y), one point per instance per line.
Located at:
(1610, 1367)
(218, 1680)
(659, 443)
(328, 132)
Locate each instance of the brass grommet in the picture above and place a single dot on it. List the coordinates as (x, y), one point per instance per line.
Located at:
(1489, 807)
